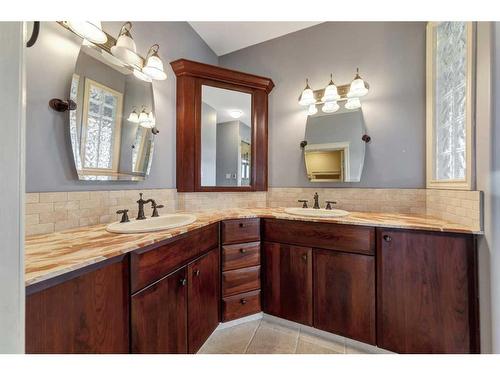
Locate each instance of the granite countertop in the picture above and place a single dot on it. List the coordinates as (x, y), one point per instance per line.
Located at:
(50, 255)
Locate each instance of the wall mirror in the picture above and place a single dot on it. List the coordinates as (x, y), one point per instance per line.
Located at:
(112, 128)
(221, 128)
(226, 137)
(335, 149)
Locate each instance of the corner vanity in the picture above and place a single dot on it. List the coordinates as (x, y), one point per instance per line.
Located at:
(404, 283)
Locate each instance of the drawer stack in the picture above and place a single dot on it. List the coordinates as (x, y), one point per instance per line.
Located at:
(240, 268)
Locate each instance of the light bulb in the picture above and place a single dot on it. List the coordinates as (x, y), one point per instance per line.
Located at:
(331, 93)
(353, 103)
(90, 30)
(330, 107)
(154, 65)
(307, 96)
(312, 110)
(358, 87)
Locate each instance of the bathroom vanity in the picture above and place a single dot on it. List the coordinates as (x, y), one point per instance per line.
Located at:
(409, 287)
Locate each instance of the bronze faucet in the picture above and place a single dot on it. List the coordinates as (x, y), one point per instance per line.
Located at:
(141, 202)
(316, 201)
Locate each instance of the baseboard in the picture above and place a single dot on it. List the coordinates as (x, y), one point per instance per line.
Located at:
(236, 322)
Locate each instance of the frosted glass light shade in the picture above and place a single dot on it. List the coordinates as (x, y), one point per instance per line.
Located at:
(90, 30)
(357, 88)
(143, 116)
(140, 75)
(330, 107)
(125, 48)
(312, 110)
(331, 92)
(307, 96)
(133, 117)
(235, 113)
(353, 103)
(154, 66)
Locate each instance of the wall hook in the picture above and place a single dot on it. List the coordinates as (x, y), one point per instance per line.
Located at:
(366, 138)
(59, 105)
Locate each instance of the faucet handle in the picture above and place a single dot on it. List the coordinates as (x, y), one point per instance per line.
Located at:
(304, 201)
(124, 214)
(329, 204)
(155, 208)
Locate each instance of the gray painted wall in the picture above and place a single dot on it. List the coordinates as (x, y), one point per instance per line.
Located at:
(49, 66)
(209, 145)
(12, 82)
(228, 138)
(391, 57)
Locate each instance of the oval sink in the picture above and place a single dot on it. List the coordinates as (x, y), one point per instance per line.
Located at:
(315, 212)
(153, 224)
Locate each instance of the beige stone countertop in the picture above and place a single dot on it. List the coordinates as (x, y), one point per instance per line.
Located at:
(50, 255)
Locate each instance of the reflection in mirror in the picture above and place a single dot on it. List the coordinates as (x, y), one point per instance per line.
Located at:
(225, 137)
(335, 150)
(111, 128)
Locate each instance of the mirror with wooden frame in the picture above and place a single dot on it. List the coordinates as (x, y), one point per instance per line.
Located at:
(221, 128)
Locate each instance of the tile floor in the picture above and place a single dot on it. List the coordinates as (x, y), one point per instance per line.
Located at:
(269, 335)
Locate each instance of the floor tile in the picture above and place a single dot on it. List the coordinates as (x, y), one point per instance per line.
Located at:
(321, 342)
(272, 338)
(232, 340)
(305, 347)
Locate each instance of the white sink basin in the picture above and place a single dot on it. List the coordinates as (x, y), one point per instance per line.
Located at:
(315, 212)
(152, 224)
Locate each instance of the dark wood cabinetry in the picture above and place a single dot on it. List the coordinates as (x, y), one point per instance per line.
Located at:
(86, 312)
(344, 294)
(159, 316)
(287, 282)
(427, 292)
(203, 299)
(177, 313)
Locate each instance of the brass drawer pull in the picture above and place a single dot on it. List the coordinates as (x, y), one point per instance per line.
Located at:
(241, 225)
(197, 272)
(183, 281)
(387, 238)
(243, 301)
(243, 251)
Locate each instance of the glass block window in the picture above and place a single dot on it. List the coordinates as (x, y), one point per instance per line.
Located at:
(449, 80)
(103, 106)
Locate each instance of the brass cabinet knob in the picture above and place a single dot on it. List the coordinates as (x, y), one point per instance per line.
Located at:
(304, 256)
(243, 301)
(243, 251)
(197, 272)
(183, 281)
(387, 238)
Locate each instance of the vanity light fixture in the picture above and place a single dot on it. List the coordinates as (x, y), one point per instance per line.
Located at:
(307, 97)
(154, 66)
(235, 113)
(140, 75)
(331, 92)
(353, 103)
(90, 30)
(133, 117)
(312, 110)
(331, 95)
(125, 48)
(358, 87)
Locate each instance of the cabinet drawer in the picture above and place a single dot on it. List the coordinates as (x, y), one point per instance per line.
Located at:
(239, 281)
(240, 255)
(241, 305)
(150, 265)
(342, 237)
(240, 230)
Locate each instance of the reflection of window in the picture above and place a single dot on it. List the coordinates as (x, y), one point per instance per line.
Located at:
(449, 104)
(245, 162)
(101, 126)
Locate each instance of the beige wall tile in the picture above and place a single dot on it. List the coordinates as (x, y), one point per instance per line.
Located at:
(36, 208)
(32, 198)
(54, 197)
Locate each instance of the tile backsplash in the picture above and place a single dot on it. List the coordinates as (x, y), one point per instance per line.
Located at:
(52, 212)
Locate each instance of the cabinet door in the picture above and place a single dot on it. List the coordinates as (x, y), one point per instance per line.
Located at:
(344, 294)
(287, 289)
(87, 314)
(203, 297)
(159, 316)
(426, 292)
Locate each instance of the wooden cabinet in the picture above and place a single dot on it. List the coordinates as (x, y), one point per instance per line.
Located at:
(85, 312)
(426, 292)
(344, 294)
(287, 282)
(159, 316)
(177, 313)
(203, 299)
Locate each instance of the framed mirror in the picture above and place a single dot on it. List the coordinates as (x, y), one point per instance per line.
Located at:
(221, 128)
(335, 150)
(112, 127)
